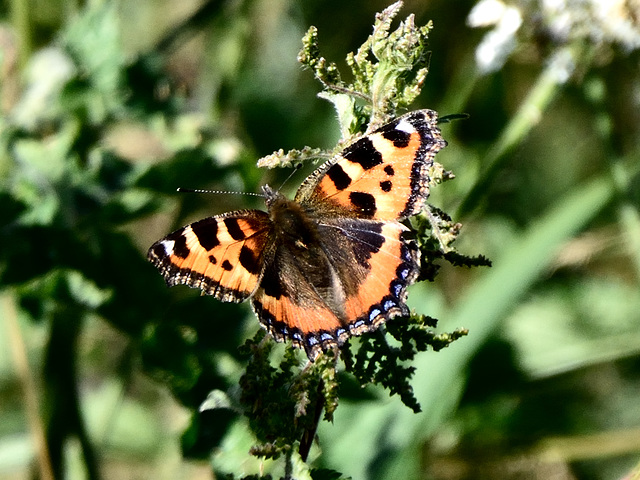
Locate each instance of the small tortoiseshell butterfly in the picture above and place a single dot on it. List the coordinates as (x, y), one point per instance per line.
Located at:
(331, 263)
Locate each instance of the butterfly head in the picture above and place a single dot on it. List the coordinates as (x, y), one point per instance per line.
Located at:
(271, 195)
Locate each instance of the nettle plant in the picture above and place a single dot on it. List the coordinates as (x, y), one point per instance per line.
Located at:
(283, 397)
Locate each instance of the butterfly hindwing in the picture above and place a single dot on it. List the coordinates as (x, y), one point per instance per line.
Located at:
(388, 262)
(368, 266)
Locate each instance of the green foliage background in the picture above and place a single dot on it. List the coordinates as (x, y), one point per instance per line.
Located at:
(108, 107)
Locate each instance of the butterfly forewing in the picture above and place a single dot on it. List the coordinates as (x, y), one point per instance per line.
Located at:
(223, 255)
(383, 175)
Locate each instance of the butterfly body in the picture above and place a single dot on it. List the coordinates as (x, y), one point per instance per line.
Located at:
(330, 264)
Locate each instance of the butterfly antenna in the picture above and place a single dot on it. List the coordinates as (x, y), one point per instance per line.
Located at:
(217, 192)
(295, 170)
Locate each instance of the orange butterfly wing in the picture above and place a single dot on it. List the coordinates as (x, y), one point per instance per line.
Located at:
(224, 255)
(370, 267)
(384, 175)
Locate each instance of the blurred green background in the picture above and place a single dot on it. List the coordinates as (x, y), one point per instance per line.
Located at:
(107, 107)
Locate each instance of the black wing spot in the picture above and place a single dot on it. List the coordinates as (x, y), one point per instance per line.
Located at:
(227, 265)
(207, 233)
(248, 260)
(364, 153)
(233, 227)
(389, 170)
(364, 202)
(400, 138)
(213, 259)
(339, 177)
(180, 246)
(386, 186)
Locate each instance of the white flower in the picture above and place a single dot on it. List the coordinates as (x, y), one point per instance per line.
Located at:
(497, 44)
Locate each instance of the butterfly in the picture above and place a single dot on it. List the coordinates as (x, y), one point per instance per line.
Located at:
(332, 263)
